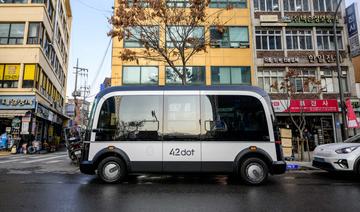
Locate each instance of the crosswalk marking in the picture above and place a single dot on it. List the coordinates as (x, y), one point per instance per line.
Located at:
(43, 159)
(53, 161)
(51, 158)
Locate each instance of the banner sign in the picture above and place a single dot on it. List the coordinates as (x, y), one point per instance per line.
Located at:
(17, 102)
(351, 20)
(12, 72)
(351, 116)
(306, 106)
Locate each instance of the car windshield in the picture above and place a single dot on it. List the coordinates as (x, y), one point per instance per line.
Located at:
(354, 139)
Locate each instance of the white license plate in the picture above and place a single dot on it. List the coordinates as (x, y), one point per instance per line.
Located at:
(78, 152)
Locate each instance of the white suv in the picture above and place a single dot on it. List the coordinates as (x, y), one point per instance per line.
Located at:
(339, 156)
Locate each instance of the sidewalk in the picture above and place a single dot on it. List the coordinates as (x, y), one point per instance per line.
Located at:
(5, 153)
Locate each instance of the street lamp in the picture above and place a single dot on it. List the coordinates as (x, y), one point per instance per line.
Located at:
(341, 89)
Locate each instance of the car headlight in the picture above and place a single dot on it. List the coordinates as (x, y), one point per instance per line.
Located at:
(346, 150)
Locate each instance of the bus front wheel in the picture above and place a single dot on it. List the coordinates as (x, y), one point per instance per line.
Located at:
(112, 170)
(254, 171)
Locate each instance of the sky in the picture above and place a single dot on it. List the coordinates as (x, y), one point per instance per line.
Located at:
(89, 42)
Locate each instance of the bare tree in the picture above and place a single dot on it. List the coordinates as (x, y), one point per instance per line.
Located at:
(166, 31)
(297, 87)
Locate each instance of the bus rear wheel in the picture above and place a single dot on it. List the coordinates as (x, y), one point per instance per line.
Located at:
(112, 170)
(254, 171)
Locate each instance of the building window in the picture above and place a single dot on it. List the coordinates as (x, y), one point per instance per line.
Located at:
(11, 33)
(140, 75)
(139, 3)
(38, 77)
(229, 37)
(230, 75)
(9, 75)
(228, 4)
(298, 40)
(268, 39)
(301, 82)
(47, 46)
(296, 5)
(270, 79)
(266, 5)
(178, 3)
(325, 39)
(29, 75)
(325, 5)
(194, 75)
(330, 82)
(36, 33)
(50, 10)
(39, 1)
(135, 36)
(178, 36)
(13, 1)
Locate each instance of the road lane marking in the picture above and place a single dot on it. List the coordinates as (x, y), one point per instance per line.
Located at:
(9, 161)
(43, 159)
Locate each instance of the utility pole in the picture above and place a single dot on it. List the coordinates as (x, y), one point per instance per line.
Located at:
(86, 90)
(344, 131)
(76, 93)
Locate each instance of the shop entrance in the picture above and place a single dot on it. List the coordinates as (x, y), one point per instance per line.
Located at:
(321, 129)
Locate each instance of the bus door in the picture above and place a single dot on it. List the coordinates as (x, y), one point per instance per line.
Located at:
(181, 140)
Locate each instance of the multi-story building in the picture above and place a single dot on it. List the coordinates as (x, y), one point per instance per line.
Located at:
(34, 49)
(298, 36)
(228, 60)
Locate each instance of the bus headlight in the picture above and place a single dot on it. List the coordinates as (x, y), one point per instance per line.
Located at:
(346, 150)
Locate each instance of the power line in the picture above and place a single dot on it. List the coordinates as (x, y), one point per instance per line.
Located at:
(102, 63)
(94, 8)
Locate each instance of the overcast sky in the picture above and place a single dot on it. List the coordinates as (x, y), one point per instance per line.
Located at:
(89, 41)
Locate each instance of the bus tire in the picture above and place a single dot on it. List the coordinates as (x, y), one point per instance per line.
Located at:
(254, 171)
(112, 170)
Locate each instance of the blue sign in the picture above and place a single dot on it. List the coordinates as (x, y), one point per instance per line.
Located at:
(292, 166)
(17, 102)
(351, 20)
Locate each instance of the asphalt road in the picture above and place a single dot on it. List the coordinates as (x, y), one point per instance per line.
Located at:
(24, 188)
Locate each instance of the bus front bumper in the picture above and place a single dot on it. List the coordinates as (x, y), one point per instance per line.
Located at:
(278, 167)
(87, 167)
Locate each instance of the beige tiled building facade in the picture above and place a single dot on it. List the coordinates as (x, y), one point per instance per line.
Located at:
(34, 49)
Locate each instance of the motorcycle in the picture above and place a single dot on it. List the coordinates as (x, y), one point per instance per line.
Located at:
(73, 144)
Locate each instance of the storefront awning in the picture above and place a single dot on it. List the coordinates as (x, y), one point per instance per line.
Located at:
(12, 113)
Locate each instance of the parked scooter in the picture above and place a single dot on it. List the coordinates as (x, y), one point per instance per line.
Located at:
(73, 144)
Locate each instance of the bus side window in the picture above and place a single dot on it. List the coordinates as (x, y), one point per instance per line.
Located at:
(140, 118)
(181, 118)
(107, 120)
(233, 118)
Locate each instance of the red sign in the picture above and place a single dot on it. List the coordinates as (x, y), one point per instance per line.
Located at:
(307, 106)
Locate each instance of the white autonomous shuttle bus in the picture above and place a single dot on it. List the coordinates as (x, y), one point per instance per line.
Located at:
(177, 129)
